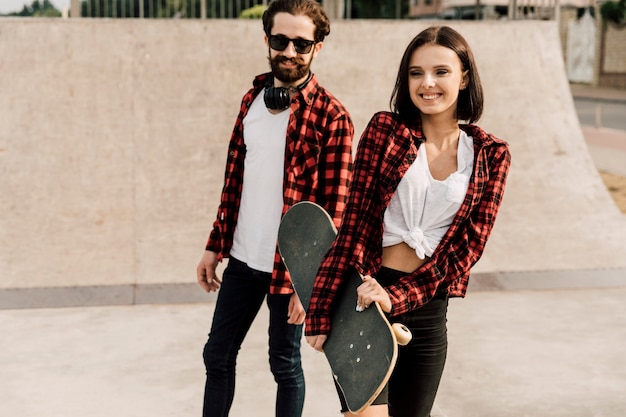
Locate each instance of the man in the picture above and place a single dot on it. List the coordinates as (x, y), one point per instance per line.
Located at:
(291, 142)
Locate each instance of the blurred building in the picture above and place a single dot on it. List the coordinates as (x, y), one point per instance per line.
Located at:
(493, 9)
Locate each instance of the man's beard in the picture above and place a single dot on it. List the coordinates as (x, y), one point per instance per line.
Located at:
(289, 75)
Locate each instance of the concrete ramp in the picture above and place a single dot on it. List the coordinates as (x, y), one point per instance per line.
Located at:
(113, 137)
(557, 213)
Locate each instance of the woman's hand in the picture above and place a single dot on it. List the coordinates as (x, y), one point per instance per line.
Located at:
(371, 291)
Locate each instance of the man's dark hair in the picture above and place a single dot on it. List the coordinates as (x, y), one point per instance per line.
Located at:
(310, 8)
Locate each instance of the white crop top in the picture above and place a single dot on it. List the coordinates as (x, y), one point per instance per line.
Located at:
(422, 208)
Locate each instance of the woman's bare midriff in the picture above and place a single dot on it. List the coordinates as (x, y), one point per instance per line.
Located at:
(402, 258)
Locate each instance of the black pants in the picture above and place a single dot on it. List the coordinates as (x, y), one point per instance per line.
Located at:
(239, 299)
(413, 385)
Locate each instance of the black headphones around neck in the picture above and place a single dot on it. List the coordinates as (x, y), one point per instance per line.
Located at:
(277, 98)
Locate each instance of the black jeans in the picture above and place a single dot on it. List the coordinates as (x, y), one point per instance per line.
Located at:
(415, 379)
(239, 299)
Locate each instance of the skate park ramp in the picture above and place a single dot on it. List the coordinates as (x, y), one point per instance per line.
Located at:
(113, 138)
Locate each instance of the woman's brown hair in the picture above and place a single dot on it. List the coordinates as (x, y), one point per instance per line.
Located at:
(470, 102)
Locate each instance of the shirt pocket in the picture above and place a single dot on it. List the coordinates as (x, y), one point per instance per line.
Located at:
(457, 187)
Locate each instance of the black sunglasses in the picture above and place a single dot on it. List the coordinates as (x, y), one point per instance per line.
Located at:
(280, 43)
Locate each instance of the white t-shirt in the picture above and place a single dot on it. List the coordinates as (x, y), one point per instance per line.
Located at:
(422, 208)
(264, 133)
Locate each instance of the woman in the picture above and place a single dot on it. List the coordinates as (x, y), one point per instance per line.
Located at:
(424, 197)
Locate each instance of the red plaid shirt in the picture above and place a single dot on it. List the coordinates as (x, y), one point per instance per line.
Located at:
(386, 151)
(318, 163)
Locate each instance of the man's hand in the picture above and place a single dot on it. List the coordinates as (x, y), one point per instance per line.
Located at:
(296, 311)
(317, 342)
(206, 272)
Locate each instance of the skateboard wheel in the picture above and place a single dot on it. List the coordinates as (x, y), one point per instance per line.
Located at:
(403, 334)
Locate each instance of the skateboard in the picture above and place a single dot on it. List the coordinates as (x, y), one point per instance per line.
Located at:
(363, 347)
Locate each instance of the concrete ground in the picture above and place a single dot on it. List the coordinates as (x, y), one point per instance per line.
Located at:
(512, 353)
(530, 351)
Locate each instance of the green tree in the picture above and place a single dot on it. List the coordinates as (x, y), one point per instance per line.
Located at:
(614, 12)
(37, 9)
(255, 12)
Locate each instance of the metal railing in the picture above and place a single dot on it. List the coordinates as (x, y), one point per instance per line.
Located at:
(534, 9)
(165, 9)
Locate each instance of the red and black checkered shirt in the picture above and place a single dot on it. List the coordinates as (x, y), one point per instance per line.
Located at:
(318, 163)
(386, 150)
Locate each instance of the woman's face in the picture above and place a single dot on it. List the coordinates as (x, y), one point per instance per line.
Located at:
(435, 79)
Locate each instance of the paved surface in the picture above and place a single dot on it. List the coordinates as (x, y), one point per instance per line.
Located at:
(523, 352)
(513, 353)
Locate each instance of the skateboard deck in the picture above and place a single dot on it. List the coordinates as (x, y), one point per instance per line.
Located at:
(362, 347)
